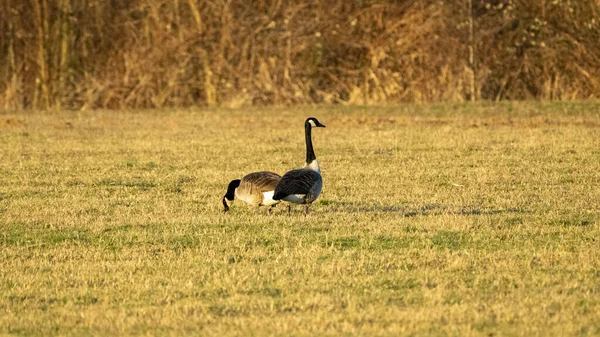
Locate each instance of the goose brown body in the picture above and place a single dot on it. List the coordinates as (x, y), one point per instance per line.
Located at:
(253, 187)
(256, 189)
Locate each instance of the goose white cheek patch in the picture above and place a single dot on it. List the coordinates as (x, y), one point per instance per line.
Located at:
(312, 123)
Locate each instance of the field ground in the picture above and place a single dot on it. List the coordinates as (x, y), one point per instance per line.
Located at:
(435, 220)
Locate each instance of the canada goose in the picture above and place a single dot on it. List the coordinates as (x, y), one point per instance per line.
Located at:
(255, 189)
(302, 186)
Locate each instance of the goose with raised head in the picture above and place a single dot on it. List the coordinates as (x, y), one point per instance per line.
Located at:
(303, 186)
(256, 189)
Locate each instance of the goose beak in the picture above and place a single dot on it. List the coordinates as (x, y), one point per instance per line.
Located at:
(320, 125)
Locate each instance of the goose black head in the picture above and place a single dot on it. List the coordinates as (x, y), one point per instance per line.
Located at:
(230, 195)
(314, 123)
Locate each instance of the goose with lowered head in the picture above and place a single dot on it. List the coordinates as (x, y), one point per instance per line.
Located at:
(256, 189)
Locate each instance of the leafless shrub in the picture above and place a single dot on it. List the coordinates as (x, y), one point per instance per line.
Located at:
(166, 53)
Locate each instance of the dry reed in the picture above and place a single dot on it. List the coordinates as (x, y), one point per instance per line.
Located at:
(167, 53)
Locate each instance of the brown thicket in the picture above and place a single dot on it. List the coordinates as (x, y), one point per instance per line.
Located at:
(165, 53)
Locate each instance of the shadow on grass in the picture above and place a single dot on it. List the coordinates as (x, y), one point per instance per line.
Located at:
(407, 211)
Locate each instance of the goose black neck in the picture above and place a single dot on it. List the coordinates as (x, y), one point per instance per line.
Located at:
(310, 153)
(230, 195)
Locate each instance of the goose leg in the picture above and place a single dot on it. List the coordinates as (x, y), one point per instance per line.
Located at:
(289, 209)
(306, 209)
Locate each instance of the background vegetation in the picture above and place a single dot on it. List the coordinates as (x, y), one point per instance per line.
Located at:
(435, 220)
(174, 53)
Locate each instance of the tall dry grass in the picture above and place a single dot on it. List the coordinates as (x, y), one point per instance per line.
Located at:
(160, 53)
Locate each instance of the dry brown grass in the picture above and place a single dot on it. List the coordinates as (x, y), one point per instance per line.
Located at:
(437, 220)
(178, 53)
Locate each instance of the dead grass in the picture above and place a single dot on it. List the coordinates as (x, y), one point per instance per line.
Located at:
(97, 54)
(435, 220)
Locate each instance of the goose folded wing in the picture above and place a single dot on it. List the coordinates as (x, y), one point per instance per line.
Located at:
(264, 181)
(296, 182)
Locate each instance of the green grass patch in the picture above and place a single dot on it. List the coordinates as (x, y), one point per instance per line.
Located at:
(434, 220)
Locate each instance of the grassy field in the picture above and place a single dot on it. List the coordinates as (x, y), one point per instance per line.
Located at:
(435, 220)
